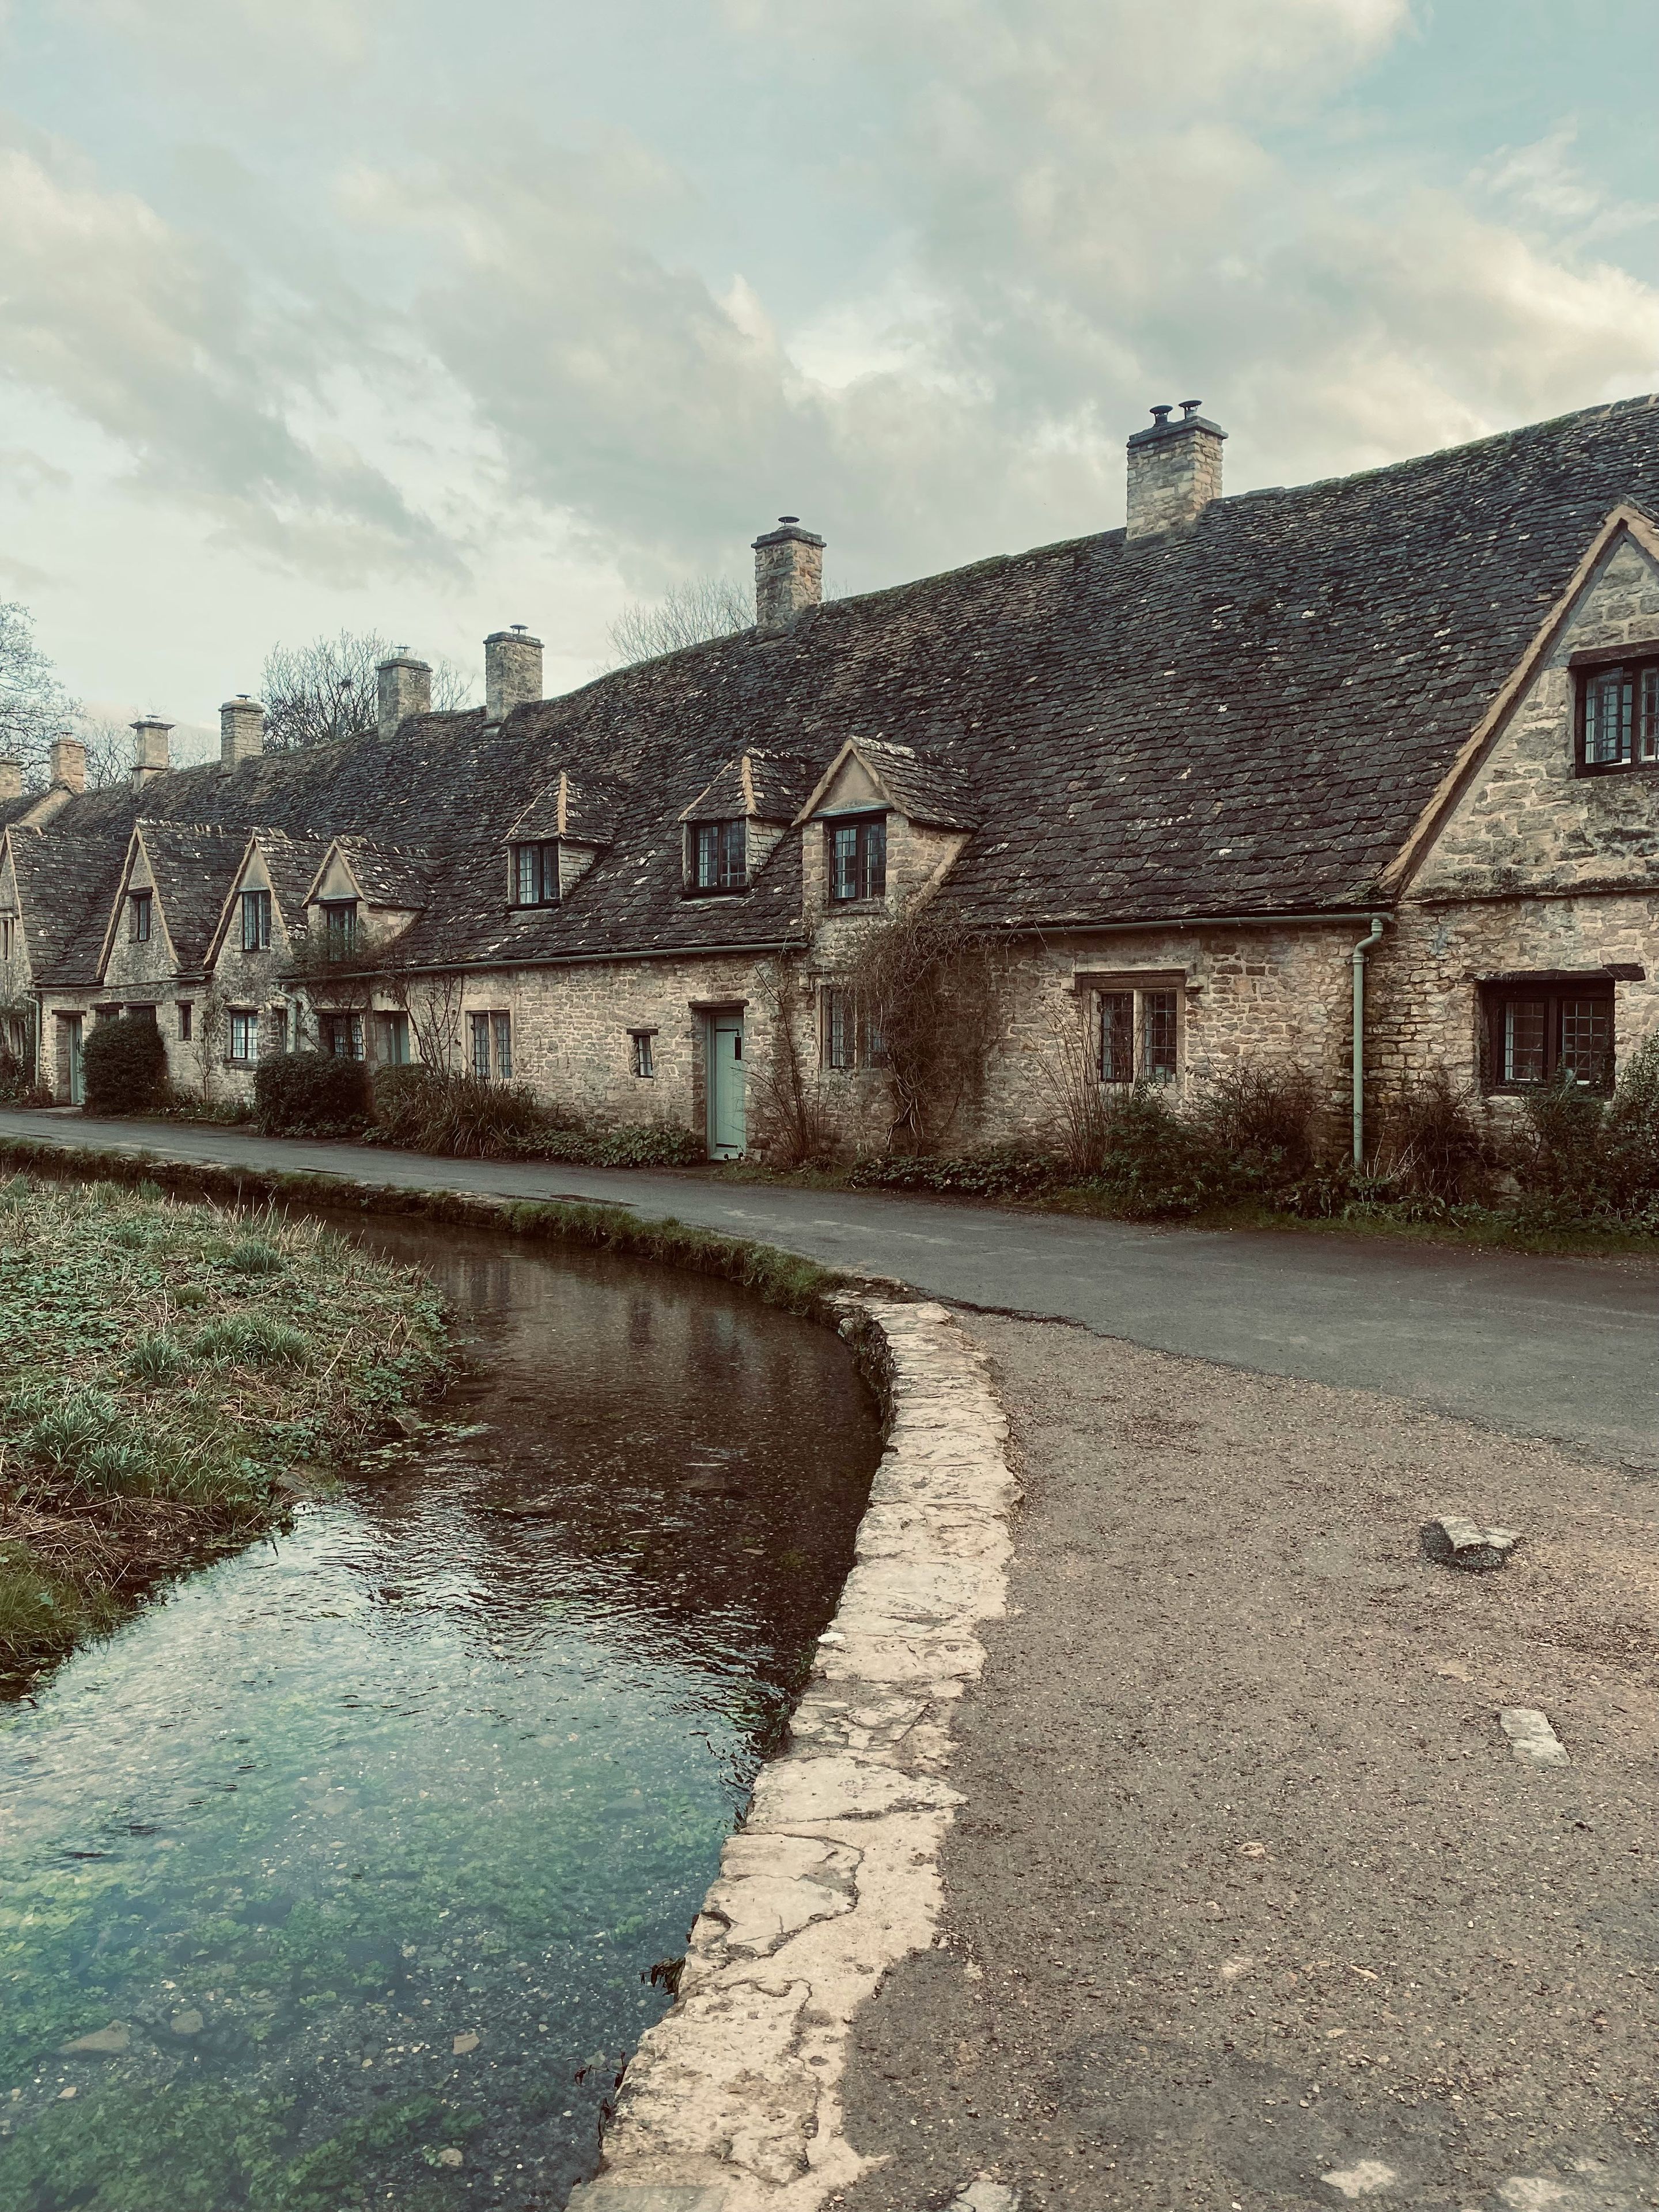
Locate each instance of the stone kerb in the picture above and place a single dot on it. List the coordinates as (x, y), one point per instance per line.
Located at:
(732, 2103)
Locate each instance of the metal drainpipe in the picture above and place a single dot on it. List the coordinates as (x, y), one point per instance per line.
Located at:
(1364, 946)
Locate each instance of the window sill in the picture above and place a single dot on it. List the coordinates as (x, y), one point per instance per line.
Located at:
(1596, 771)
(714, 891)
(534, 906)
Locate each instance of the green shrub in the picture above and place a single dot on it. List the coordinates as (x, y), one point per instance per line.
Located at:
(255, 1342)
(1153, 1163)
(18, 1087)
(1259, 1125)
(1433, 1147)
(1002, 1174)
(125, 1064)
(426, 1110)
(311, 1094)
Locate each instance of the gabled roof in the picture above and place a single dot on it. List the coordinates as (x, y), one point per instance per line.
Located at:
(385, 875)
(585, 812)
(760, 787)
(1245, 716)
(66, 880)
(193, 866)
(934, 792)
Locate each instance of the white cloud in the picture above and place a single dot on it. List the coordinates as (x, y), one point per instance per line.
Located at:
(158, 340)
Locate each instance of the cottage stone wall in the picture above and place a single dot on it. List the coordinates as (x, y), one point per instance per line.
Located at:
(1529, 820)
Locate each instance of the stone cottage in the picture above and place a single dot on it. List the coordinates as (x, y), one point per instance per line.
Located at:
(1361, 776)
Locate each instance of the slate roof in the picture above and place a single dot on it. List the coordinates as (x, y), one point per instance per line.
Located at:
(1244, 716)
(586, 812)
(761, 786)
(939, 793)
(66, 880)
(386, 875)
(193, 866)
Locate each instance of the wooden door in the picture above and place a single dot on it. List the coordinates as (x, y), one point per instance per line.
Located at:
(728, 1131)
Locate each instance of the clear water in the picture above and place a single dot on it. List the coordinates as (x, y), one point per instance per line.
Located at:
(431, 1767)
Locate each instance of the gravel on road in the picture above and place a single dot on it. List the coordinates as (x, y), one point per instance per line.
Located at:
(1252, 1903)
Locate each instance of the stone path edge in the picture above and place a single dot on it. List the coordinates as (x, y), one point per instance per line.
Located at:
(732, 2102)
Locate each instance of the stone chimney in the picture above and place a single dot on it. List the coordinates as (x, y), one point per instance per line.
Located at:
(69, 764)
(11, 780)
(241, 731)
(150, 757)
(405, 688)
(788, 573)
(513, 671)
(1175, 469)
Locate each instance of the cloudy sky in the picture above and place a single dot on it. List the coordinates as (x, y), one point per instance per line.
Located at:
(428, 318)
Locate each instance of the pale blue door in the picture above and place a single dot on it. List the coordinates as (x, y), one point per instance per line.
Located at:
(728, 1130)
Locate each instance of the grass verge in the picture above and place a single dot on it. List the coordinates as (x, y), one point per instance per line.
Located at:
(165, 1369)
(798, 1286)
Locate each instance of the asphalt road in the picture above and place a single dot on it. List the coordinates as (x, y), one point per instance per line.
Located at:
(1563, 1349)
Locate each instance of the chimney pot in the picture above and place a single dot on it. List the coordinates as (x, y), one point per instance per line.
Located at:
(68, 763)
(403, 687)
(788, 573)
(1175, 469)
(11, 780)
(513, 671)
(241, 731)
(150, 754)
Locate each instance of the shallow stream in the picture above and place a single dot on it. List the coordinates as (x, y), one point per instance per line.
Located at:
(353, 1855)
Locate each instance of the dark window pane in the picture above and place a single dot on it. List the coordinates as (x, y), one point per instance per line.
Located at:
(1609, 701)
(1158, 1036)
(501, 1030)
(843, 860)
(1524, 1033)
(708, 862)
(480, 1031)
(872, 839)
(1117, 1037)
(839, 1024)
(1647, 720)
(1586, 1038)
(733, 857)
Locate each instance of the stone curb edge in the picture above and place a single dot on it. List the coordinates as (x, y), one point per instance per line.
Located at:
(732, 2102)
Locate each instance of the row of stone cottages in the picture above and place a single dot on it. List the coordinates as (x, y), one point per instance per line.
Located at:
(1361, 774)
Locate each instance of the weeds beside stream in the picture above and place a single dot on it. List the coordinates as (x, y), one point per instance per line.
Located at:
(170, 1376)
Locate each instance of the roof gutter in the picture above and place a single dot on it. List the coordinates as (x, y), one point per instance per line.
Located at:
(1080, 928)
(568, 959)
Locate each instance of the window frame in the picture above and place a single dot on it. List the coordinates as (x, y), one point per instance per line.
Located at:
(642, 1054)
(7, 936)
(869, 858)
(543, 854)
(1640, 719)
(491, 1028)
(1150, 1032)
(141, 917)
(848, 1039)
(329, 1031)
(392, 1029)
(339, 927)
(246, 1019)
(256, 910)
(724, 845)
(1553, 992)
(185, 1009)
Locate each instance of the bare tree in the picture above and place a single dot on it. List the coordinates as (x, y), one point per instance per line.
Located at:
(35, 708)
(686, 614)
(315, 694)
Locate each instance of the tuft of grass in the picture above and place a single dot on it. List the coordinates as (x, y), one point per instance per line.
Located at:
(126, 1450)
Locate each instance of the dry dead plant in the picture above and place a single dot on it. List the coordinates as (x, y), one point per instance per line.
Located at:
(932, 994)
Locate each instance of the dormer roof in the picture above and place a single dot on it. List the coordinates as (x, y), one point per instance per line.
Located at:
(932, 793)
(192, 867)
(758, 786)
(383, 875)
(583, 811)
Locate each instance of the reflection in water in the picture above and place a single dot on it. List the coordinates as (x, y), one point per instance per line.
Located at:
(349, 1862)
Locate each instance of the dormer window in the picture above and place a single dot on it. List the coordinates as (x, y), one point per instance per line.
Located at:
(536, 873)
(256, 921)
(719, 858)
(138, 913)
(340, 927)
(858, 858)
(1619, 717)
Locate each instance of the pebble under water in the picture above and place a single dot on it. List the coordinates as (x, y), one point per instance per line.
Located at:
(347, 1863)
